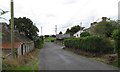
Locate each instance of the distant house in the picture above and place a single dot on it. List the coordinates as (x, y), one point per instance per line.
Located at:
(62, 36)
(77, 34)
(22, 44)
(66, 36)
(59, 36)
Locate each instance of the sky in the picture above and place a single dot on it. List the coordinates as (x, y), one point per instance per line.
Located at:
(63, 13)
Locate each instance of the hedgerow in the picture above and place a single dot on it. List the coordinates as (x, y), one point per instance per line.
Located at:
(92, 44)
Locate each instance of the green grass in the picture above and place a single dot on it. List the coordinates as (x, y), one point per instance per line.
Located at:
(23, 68)
(115, 63)
(49, 39)
(41, 46)
(31, 66)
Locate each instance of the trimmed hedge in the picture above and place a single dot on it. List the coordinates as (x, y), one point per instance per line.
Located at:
(92, 44)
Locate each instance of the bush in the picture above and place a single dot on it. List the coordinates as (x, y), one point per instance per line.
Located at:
(92, 44)
(39, 42)
(52, 40)
(84, 34)
(116, 36)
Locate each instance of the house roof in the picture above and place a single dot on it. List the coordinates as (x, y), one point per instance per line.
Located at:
(6, 37)
(22, 38)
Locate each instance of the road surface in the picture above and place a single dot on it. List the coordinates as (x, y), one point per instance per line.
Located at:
(53, 57)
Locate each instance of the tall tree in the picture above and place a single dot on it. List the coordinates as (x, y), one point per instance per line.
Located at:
(104, 28)
(67, 31)
(74, 29)
(60, 32)
(26, 25)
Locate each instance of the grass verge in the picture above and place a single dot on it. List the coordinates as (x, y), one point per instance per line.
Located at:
(28, 62)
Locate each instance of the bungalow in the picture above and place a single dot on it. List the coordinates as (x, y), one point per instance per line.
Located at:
(77, 34)
(22, 43)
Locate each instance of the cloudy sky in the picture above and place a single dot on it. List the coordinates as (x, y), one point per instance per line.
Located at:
(63, 13)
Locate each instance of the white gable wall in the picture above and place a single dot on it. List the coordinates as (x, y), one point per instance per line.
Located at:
(78, 34)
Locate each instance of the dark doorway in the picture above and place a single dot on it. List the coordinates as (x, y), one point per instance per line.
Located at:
(22, 49)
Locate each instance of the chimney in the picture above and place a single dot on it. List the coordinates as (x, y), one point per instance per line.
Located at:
(91, 24)
(94, 22)
(104, 18)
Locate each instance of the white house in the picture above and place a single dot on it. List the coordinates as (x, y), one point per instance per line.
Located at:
(77, 34)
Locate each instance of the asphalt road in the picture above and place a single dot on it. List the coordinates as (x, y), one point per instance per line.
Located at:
(53, 57)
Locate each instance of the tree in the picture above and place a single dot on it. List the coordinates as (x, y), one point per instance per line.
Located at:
(60, 32)
(104, 28)
(26, 25)
(54, 36)
(68, 31)
(46, 36)
(74, 29)
(84, 34)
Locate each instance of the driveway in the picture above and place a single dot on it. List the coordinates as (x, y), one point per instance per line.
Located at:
(53, 57)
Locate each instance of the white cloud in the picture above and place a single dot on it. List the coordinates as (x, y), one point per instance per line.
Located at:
(64, 13)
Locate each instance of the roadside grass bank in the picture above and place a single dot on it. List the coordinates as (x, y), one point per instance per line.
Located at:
(27, 62)
(110, 59)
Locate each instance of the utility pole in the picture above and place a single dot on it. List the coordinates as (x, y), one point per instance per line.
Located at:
(56, 33)
(56, 29)
(41, 30)
(12, 29)
(80, 27)
(80, 24)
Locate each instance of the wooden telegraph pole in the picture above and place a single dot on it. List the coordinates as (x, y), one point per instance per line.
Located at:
(12, 29)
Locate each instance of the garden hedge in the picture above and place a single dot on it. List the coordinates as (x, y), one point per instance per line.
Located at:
(91, 44)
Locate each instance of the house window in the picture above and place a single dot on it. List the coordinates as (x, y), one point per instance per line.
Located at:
(77, 35)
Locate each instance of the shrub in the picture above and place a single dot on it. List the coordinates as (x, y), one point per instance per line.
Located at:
(116, 36)
(39, 42)
(92, 44)
(52, 40)
(84, 34)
